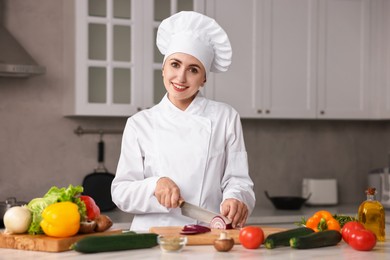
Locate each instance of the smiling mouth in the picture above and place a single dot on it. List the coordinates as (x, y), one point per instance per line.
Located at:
(179, 87)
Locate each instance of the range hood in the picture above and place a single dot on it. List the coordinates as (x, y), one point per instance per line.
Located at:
(14, 59)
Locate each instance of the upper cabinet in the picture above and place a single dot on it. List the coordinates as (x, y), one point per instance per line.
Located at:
(271, 73)
(344, 59)
(112, 65)
(304, 59)
(300, 59)
(382, 72)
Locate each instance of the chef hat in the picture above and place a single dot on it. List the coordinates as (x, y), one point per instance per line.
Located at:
(198, 35)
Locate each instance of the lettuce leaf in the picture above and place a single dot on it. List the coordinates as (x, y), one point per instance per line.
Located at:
(54, 195)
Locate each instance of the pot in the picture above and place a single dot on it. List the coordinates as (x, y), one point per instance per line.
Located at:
(287, 202)
(7, 204)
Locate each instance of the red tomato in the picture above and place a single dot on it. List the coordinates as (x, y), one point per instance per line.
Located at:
(362, 239)
(93, 211)
(251, 237)
(348, 228)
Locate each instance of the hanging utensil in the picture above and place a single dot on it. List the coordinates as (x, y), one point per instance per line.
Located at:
(98, 183)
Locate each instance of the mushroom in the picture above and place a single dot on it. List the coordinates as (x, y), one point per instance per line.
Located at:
(103, 222)
(224, 243)
(87, 227)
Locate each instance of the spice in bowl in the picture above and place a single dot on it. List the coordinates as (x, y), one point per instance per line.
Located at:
(171, 243)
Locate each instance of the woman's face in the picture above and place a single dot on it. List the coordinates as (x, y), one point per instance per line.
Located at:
(183, 76)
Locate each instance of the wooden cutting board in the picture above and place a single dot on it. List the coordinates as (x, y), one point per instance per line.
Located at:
(43, 242)
(209, 237)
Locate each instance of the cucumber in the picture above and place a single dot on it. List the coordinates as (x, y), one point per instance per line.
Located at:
(125, 241)
(283, 238)
(317, 239)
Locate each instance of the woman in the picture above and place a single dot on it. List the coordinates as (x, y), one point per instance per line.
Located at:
(186, 147)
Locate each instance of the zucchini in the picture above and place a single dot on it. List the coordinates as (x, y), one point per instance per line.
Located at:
(125, 241)
(283, 238)
(317, 239)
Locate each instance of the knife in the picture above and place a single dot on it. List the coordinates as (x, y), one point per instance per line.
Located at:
(198, 213)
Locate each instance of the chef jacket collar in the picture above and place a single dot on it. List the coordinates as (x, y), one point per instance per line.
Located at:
(196, 107)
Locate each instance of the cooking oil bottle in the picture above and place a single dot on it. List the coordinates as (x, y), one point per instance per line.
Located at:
(372, 215)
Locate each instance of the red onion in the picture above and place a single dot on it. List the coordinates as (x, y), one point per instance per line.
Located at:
(219, 222)
(194, 229)
(192, 232)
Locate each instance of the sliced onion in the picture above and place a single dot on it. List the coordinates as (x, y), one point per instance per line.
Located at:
(194, 229)
(189, 232)
(219, 222)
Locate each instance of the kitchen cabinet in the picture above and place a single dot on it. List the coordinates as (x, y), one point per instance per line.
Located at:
(382, 73)
(299, 59)
(112, 66)
(303, 59)
(270, 74)
(344, 81)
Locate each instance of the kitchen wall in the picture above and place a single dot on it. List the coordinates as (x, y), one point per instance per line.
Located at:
(38, 148)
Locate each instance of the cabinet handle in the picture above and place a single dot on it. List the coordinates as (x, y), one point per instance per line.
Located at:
(139, 109)
(322, 112)
(259, 111)
(267, 111)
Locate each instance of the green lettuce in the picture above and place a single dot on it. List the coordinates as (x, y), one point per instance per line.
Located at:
(54, 195)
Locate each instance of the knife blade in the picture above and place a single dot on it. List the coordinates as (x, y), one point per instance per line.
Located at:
(198, 213)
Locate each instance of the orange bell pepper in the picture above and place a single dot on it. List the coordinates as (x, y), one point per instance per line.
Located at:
(323, 220)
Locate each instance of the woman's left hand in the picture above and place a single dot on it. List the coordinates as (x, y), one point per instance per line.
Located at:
(236, 211)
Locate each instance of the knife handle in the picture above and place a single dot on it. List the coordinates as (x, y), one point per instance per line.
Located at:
(181, 203)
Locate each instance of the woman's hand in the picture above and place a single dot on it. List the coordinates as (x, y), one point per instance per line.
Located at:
(167, 193)
(236, 211)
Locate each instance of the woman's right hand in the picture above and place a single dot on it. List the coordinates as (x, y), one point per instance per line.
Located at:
(167, 193)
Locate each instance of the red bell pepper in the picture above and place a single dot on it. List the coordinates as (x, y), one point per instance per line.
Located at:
(93, 211)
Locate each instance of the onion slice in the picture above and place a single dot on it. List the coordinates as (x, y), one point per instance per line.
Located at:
(219, 222)
(194, 229)
(190, 232)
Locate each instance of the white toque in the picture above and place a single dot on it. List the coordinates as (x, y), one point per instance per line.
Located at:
(198, 35)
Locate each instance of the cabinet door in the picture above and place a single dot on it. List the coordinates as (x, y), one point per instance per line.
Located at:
(272, 73)
(102, 60)
(237, 86)
(343, 59)
(384, 66)
(286, 40)
(116, 67)
(155, 12)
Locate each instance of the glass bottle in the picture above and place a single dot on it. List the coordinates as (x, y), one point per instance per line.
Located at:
(372, 215)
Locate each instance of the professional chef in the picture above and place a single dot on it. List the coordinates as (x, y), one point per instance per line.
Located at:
(186, 147)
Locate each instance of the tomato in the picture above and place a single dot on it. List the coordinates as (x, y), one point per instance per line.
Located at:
(251, 237)
(362, 239)
(348, 228)
(93, 211)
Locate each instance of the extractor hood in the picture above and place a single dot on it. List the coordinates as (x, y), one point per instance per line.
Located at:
(14, 59)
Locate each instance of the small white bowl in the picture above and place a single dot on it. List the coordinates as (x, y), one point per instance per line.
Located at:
(171, 243)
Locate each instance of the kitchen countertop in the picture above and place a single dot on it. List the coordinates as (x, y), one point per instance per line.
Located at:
(270, 215)
(262, 216)
(341, 251)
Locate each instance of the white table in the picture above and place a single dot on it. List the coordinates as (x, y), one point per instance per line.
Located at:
(260, 216)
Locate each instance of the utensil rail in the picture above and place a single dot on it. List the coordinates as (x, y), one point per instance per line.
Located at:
(81, 131)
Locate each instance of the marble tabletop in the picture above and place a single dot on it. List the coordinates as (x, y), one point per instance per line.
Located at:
(341, 251)
(261, 216)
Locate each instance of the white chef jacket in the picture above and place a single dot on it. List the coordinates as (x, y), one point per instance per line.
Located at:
(201, 149)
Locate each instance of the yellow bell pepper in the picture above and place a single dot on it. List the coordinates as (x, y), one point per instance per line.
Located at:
(61, 219)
